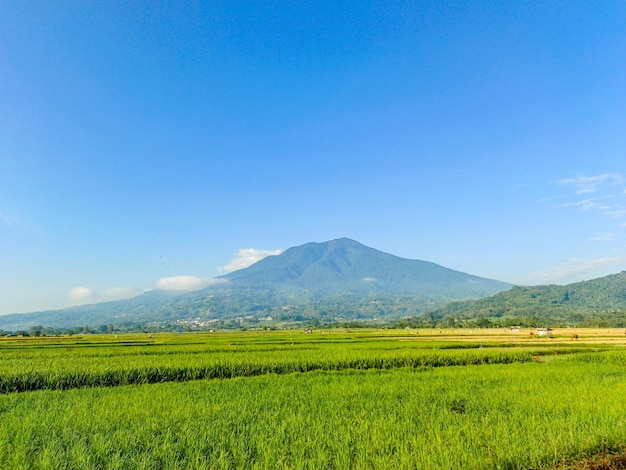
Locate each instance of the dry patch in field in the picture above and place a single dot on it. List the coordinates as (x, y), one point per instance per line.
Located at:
(615, 461)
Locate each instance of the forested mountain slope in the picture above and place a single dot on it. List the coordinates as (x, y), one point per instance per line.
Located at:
(597, 302)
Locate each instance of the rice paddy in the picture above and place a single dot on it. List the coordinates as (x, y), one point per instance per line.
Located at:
(330, 399)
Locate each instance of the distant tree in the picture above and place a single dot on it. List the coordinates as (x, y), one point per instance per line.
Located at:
(483, 323)
(35, 330)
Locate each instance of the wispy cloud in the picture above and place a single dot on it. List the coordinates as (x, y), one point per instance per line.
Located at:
(576, 268)
(246, 257)
(617, 212)
(604, 237)
(119, 293)
(5, 220)
(187, 283)
(592, 184)
(588, 204)
(82, 294)
(604, 194)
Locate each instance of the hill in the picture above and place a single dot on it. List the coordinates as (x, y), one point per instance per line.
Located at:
(597, 302)
(335, 280)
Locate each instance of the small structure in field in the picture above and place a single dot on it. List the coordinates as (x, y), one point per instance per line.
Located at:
(544, 332)
(516, 329)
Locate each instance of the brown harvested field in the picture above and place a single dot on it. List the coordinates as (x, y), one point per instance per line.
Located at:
(525, 335)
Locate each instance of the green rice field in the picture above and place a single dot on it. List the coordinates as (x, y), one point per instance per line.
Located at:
(332, 399)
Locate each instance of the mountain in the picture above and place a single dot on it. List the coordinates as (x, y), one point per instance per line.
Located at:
(345, 266)
(597, 302)
(338, 279)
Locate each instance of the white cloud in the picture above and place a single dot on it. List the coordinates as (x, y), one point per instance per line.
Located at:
(81, 293)
(369, 279)
(246, 257)
(577, 268)
(186, 283)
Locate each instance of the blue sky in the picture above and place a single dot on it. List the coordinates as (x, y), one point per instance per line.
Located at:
(160, 144)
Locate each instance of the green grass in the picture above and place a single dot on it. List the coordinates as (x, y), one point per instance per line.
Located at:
(398, 404)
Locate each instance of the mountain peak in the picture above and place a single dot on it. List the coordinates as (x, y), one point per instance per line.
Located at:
(337, 243)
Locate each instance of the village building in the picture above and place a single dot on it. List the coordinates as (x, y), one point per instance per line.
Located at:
(544, 332)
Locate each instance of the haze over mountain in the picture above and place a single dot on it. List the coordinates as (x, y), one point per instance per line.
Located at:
(338, 278)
